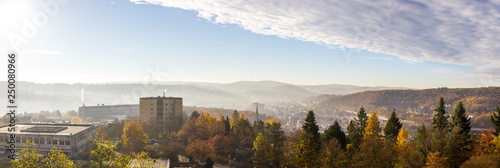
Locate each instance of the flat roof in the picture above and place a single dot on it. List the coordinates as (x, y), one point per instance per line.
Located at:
(24, 128)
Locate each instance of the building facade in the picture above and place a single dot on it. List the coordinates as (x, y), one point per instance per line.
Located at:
(72, 139)
(108, 112)
(162, 110)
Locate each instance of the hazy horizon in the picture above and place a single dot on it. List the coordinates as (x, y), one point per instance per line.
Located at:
(388, 43)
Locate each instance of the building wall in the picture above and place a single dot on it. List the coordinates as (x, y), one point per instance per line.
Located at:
(107, 112)
(163, 110)
(70, 145)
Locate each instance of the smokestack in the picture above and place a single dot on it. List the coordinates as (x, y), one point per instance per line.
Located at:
(164, 92)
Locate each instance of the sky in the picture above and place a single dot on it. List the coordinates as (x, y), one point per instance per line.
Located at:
(416, 44)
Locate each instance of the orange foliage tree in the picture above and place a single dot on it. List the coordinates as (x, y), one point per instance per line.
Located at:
(133, 136)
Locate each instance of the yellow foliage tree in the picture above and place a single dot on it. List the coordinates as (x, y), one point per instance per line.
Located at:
(372, 126)
(56, 158)
(435, 161)
(402, 136)
(76, 120)
(28, 157)
(133, 136)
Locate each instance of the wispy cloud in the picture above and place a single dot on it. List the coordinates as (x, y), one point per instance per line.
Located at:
(458, 32)
(379, 58)
(113, 3)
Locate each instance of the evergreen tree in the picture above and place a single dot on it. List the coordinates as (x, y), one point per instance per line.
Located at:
(335, 131)
(495, 120)
(310, 126)
(393, 126)
(362, 118)
(354, 134)
(372, 126)
(440, 120)
(461, 119)
(309, 143)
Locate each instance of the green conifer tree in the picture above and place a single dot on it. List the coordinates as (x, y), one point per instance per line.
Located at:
(440, 120)
(335, 131)
(393, 126)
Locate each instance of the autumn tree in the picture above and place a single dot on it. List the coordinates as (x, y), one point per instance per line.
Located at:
(393, 126)
(495, 120)
(133, 136)
(234, 118)
(102, 153)
(372, 128)
(56, 158)
(28, 157)
(76, 120)
(199, 150)
(331, 155)
(485, 145)
(435, 160)
(440, 120)
(402, 136)
(335, 131)
(373, 152)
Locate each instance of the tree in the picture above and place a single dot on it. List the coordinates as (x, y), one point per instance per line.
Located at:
(72, 113)
(458, 148)
(372, 128)
(102, 153)
(144, 160)
(133, 136)
(354, 134)
(402, 136)
(335, 131)
(461, 119)
(331, 155)
(200, 150)
(482, 161)
(194, 115)
(269, 145)
(393, 126)
(76, 120)
(309, 144)
(495, 120)
(373, 153)
(362, 119)
(434, 160)
(28, 157)
(56, 158)
(234, 118)
(440, 120)
(485, 145)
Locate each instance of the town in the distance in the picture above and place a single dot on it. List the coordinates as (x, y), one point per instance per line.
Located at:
(441, 127)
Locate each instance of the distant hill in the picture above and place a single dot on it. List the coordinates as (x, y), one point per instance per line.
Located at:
(413, 104)
(34, 97)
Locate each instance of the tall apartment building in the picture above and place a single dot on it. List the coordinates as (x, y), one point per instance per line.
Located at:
(162, 110)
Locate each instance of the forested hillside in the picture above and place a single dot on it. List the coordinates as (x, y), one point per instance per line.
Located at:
(418, 105)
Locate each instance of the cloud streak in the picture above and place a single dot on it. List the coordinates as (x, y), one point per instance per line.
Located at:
(450, 32)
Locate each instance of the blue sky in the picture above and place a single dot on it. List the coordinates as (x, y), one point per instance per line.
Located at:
(402, 43)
